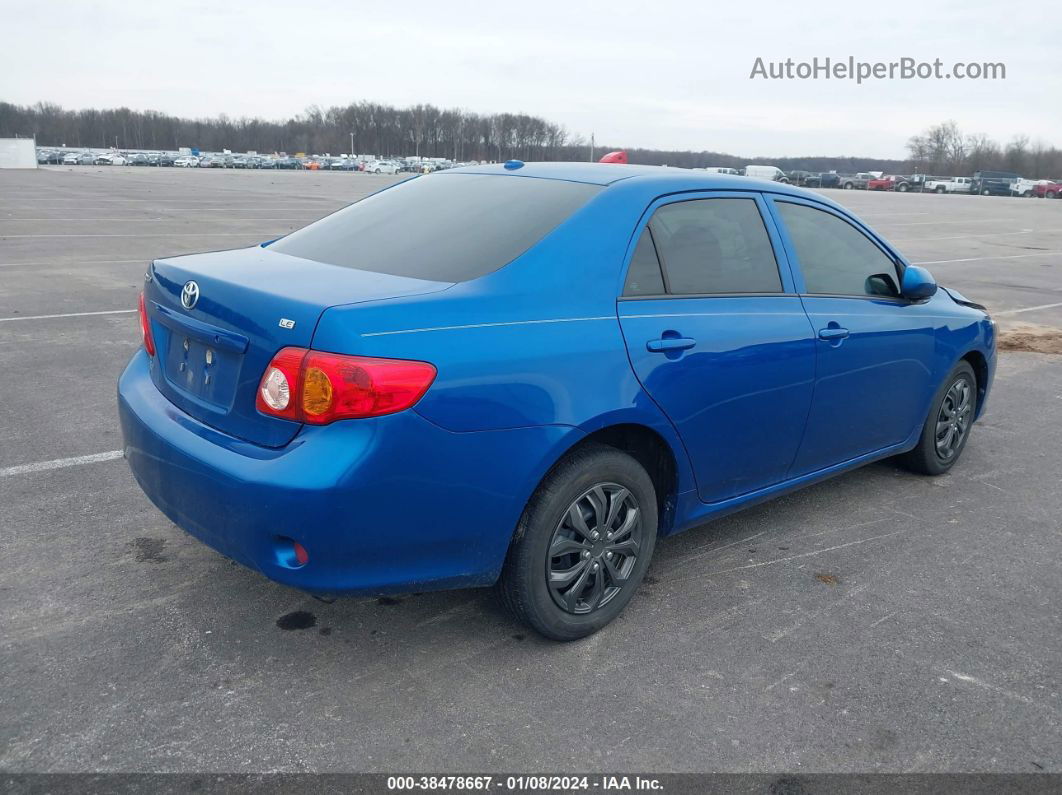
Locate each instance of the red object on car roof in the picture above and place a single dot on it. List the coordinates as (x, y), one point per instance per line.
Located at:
(614, 157)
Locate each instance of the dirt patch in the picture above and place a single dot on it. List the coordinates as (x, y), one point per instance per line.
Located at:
(1031, 338)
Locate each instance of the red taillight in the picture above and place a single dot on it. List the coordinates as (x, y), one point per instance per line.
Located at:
(319, 388)
(145, 327)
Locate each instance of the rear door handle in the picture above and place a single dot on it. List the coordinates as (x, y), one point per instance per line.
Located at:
(833, 333)
(669, 344)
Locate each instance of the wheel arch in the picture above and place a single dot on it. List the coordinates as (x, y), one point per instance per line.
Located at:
(666, 466)
(979, 362)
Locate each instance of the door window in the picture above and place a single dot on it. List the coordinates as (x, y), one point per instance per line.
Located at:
(643, 275)
(836, 258)
(714, 246)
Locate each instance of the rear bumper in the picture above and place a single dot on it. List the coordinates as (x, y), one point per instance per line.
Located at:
(384, 505)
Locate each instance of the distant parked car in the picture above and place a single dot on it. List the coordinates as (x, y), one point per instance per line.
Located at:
(1024, 187)
(829, 179)
(993, 183)
(800, 178)
(856, 181)
(287, 163)
(890, 182)
(70, 158)
(139, 159)
(110, 159)
(767, 172)
(186, 161)
(1048, 189)
(723, 170)
(382, 167)
(947, 184)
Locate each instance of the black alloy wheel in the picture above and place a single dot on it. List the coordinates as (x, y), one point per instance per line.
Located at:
(594, 549)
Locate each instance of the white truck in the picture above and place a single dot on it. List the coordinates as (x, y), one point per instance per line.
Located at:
(947, 185)
(1024, 187)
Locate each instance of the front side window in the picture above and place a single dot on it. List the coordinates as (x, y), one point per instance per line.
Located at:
(836, 258)
(714, 246)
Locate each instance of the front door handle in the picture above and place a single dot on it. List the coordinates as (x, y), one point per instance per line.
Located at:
(670, 344)
(833, 333)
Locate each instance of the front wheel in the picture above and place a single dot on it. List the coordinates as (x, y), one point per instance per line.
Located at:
(948, 425)
(582, 545)
(848, 186)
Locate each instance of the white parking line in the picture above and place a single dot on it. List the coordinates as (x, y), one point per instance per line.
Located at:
(962, 237)
(1027, 309)
(173, 234)
(127, 219)
(978, 259)
(59, 463)
(145, 260)
(69, 314)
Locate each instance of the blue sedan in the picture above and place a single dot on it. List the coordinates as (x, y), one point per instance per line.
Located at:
(524, 374)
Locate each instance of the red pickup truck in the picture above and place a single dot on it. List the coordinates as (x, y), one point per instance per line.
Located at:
(890, 182)
(1048, 190)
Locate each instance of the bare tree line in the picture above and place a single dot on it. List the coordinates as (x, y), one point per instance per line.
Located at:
(461, 135)
(945, 149)
(376, 129)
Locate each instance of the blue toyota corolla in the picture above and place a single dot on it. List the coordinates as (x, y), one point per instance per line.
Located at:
(525, 374)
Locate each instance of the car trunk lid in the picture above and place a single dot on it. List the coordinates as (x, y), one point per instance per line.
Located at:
(211, 352)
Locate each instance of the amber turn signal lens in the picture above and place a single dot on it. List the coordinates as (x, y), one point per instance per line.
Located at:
(316, 392)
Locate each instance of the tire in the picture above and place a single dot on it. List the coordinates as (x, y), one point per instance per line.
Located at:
(1050, 194)
(986, 192)
(848, 186)
(903, 188)
(940, 189)
(587, 483)
(948, 404)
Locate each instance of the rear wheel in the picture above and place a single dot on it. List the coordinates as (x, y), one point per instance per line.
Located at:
(582, 545)
(1050, 194)
(986, 192)
(902, 188)
(948, 425)
(848, 186)
(940, 189)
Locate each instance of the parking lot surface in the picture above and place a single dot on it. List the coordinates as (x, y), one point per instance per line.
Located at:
(880, 621)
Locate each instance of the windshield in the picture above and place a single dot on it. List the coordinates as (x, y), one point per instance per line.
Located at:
(444, 227)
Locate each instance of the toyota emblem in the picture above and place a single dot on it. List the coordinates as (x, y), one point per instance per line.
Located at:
(189, 295)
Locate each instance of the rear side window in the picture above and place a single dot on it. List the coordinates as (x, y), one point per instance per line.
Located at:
(836, 258)
(643, 275)
(711, 246)
(442, 227)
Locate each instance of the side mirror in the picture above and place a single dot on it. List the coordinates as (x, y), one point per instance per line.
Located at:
(918, 283)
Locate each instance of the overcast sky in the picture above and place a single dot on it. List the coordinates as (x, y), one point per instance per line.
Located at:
(665, 75)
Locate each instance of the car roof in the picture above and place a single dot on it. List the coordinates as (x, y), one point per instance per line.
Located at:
(665, 178)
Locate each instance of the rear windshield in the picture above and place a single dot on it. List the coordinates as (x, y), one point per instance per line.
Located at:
(442, 227)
